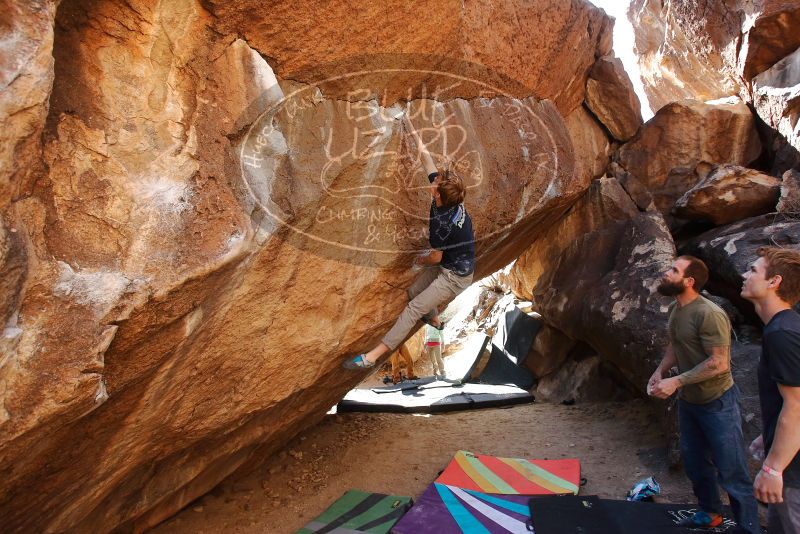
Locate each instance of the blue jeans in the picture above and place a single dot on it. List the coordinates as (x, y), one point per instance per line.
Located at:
(712, 447)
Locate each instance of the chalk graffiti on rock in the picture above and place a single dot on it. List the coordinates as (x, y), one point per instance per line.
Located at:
(353, 177)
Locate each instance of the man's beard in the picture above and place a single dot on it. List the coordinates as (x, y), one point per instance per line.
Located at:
(670, 289)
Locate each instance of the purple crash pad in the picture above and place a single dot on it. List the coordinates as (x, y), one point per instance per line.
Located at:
(444, 508)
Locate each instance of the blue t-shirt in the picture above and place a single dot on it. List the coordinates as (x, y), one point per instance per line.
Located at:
(451, 232)
(780, 364)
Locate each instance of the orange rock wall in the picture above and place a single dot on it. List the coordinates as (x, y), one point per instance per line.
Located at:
(161, 325)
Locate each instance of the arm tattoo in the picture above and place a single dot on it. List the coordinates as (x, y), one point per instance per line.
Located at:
(708, 368)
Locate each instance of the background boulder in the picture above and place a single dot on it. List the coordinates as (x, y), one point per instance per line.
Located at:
(585, 379)
(729, 193)
(593, 277)
(666, 150)
(610, 96)
(729, 250)
(789, 203)
(708, 50)
(549, 351)
(591, 145)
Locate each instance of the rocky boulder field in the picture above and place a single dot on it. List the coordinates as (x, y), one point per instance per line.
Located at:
(712, 174)
(205, 206)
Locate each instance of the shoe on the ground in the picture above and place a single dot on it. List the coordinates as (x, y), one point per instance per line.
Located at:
(359, 362)
(701, 519)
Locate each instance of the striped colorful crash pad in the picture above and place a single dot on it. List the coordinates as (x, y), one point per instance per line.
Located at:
(359, 511)
(449, 509)
(512, 476)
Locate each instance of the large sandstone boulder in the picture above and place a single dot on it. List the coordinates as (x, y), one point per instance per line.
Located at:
(665, 152)
(776, 96)
(729, 250)
(206, 236)
(789, 203)
(729, 193)
(593, 277)
(706, 49)
(610, 96)
(769, 33)
(685, 49)
(591, 145)
(547, 47)
(588, 379)
(635, 189)
(26, 77)
(549, 351)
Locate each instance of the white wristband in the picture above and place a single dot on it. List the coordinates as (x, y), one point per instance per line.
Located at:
(770, 471)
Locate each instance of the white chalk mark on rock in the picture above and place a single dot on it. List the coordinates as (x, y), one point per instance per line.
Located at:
(99, 289)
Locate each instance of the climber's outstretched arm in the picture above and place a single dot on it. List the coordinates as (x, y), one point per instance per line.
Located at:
(427, 160)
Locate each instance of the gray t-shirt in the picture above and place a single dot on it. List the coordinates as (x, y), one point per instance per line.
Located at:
(694, 330)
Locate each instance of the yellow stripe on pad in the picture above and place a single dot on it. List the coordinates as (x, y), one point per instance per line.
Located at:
(481, 475)
(540, 476)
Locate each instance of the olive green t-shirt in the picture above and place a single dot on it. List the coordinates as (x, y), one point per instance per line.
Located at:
(694, 330)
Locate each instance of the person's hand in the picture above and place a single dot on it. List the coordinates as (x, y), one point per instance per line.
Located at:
(756, 448)
(655, 379)
(664, 388)
(419, 258)
(768, 488)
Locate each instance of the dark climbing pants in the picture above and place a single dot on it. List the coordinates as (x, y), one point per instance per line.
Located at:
(712, 447)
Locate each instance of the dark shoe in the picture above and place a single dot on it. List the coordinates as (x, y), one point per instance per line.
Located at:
(701, 519)
(427, 321)
(359, 362)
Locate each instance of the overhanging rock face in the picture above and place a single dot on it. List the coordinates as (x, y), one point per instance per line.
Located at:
(209, 210)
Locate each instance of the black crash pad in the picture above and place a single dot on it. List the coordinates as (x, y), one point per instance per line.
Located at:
(578, 514)
(515, 334)
(500, 369)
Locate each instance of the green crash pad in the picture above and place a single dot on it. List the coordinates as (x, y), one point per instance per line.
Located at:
(359, 511)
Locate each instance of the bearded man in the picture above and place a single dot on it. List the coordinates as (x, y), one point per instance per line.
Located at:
(709, 413)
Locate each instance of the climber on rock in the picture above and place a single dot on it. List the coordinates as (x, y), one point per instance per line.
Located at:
(447, 268)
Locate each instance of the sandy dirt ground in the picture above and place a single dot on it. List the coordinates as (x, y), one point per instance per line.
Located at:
(617, 445)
